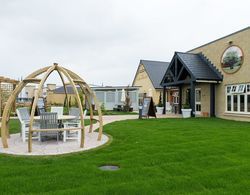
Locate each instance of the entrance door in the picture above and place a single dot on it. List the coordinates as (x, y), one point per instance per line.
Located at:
(197, 101)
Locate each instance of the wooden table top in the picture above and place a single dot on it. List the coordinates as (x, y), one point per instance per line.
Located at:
(59, 117)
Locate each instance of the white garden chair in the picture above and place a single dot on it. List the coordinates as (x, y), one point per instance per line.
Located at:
(24, 118)
(74, 134)
(57, 109)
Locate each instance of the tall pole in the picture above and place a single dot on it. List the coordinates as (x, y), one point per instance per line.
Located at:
(192, 97)
(180, 98)
(212, 100)
(164, 99)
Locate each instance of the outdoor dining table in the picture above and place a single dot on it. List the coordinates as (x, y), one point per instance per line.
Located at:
(59, 117)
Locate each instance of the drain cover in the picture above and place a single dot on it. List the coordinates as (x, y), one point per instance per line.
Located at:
(109, 167)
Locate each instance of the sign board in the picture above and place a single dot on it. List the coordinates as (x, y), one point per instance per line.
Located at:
(148, 108)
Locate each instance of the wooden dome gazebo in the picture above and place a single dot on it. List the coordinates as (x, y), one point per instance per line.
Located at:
(74, 80)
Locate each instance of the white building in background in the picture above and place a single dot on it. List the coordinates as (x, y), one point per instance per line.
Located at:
(110, 96)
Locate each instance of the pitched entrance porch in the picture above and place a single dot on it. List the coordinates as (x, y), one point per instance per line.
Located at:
(196, 78)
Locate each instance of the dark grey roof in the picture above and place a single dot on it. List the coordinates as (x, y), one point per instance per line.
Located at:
(199, 66)
(155, 71)
(60, 90)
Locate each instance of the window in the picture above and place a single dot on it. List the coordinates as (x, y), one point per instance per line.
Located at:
(248, 103)
(238, 98)
(229, 103)
(100, 96)
(110, 97)
(233, 89)
(241, 88)
(197, 101)
(235, 103)
(132, 95)
(248, 88)
(242, 103)
(176, 97)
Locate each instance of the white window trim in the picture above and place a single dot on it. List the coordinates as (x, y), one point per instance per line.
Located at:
(237, 93)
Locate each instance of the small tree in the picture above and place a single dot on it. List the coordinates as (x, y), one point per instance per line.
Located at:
(231, 59)
(127, 103)
(160, 104)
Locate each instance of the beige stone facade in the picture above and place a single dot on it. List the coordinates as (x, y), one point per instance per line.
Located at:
(214, 51)
(58, 99)
(143, 81)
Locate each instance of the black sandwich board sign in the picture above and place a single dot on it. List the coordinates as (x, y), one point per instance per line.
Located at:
(148, 108)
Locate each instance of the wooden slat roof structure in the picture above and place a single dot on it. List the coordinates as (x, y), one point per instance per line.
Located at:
(8, 80)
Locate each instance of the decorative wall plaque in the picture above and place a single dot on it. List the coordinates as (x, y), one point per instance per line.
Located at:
(232, 59)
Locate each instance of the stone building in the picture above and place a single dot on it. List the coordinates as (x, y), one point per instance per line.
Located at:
(214, 79)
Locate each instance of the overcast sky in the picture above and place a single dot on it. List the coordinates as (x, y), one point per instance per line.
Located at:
(103, 41)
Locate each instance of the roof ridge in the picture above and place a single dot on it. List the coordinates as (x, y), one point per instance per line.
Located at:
(153, 61)
(210, 64)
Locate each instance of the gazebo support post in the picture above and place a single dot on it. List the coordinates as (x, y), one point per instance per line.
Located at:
(90, 107)
(78, 102)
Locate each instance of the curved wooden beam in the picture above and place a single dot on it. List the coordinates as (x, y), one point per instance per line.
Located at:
(65, 88)
(90, 108)
(10, 101)
(78, 102)
(74, 75)
(6, 113)
(39, 89)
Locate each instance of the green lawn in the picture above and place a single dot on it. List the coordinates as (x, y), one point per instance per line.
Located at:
(157, 156)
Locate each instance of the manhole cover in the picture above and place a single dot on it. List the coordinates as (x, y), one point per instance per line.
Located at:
(109, 167)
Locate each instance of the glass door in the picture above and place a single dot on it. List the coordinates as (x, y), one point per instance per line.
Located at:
(197, 101)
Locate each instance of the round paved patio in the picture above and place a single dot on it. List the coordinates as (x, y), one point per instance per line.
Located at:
(52, 147)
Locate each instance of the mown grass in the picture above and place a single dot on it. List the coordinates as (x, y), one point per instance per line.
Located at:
(157, 156)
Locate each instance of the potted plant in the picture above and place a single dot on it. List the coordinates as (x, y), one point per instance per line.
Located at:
(186, 111)
(159, 107)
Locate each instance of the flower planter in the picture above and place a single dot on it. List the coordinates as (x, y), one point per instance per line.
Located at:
(159, 110)
(186, 113)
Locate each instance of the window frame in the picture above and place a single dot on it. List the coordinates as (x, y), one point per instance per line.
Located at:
(237, 91)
